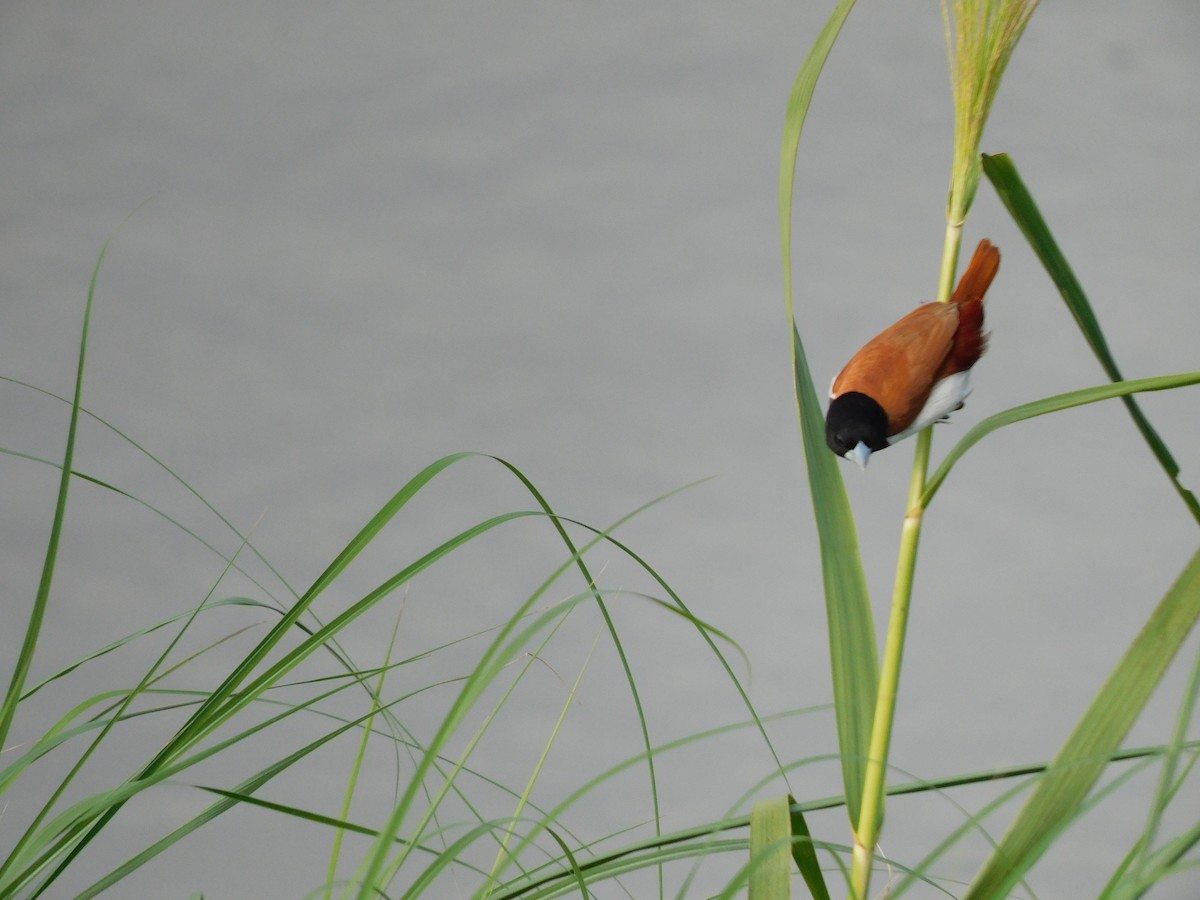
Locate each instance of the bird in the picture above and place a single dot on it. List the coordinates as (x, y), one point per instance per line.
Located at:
(915, 372)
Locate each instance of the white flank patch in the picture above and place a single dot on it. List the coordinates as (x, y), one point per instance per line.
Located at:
(947, 396)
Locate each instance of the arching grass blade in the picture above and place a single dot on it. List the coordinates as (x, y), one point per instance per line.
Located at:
(853, 651)
(1002, 172)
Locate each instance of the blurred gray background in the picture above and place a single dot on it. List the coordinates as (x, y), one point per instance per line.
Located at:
(377, 233)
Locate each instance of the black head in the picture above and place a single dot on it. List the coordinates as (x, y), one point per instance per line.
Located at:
(855, 418)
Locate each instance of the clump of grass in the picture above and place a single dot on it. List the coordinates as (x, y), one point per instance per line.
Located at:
(441, 835)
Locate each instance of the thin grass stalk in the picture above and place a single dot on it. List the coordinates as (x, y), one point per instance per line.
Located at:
(359, 756)
(504, 854)
(980, 38)
(870, 820)
(450, 778)
(375, 871)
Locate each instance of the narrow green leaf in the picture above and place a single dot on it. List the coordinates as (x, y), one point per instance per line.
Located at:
(805, 854)
(572, 862)
(37, 614)
(1089, 749)
(853, 651)
(770, 838)
(1049, 405)
(1002, 172)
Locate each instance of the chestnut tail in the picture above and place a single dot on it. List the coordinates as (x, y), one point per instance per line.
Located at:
(975, 281)
(970, 341)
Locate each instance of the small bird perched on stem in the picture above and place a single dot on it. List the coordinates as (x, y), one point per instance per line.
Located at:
(916, 372)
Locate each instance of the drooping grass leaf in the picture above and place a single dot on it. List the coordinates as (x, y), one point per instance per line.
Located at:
(1089, 749)
(1049, 405)
(853, 651)
(1002, 172)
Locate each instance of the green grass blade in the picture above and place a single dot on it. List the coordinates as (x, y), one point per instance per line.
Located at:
(205, 718)
(1002, 172)
(37, 614)
(1168, 860)
(1048, 405)
(507, 645)
(853, 650)
(676, 606)
(359, 756)
(337, 824)
(503, 853)
(770, 840)
(797, 111)
(805, 854)
(1088, 751)
(174, 476)
(577, 562)
(572, 862)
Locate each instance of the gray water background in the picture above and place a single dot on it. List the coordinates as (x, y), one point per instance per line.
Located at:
(378, 233)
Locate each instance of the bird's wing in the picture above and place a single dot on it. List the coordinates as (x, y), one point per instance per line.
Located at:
(897, 368)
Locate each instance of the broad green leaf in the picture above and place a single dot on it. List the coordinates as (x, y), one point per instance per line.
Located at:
(1089, 749)
(1002, 172)
(1049, 405)
(853, 651)
(770, 841)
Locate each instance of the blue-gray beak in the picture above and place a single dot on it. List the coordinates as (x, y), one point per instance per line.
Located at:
(860, 454)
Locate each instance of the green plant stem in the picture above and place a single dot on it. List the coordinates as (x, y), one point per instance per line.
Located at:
(870, 818)
(950, 245)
